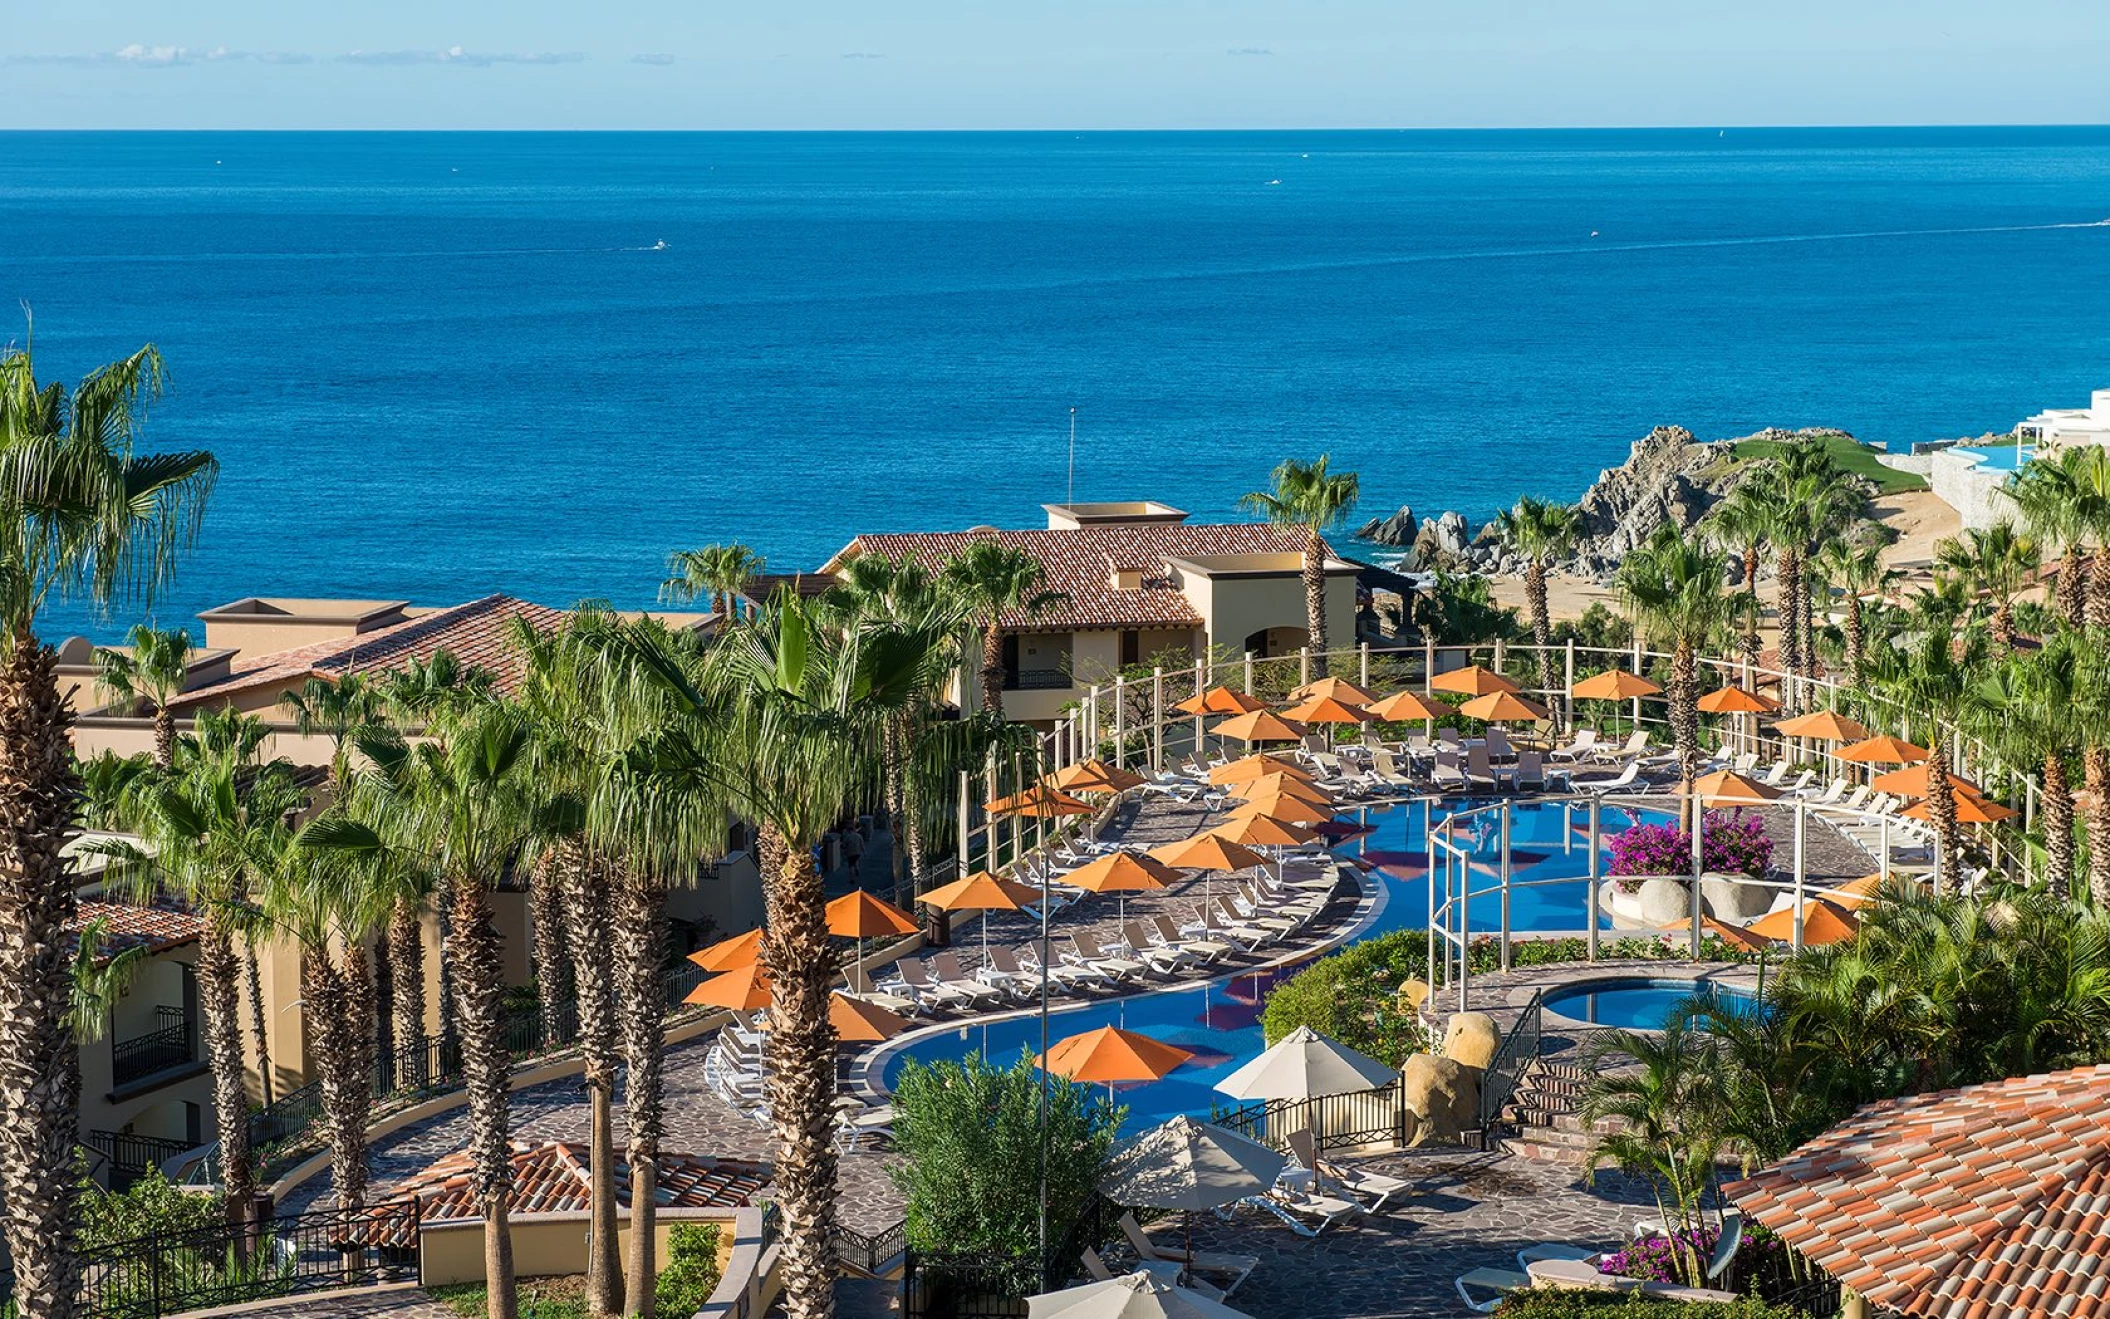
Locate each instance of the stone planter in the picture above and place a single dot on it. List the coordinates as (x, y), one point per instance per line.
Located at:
(1734, 898)
(1657, 900)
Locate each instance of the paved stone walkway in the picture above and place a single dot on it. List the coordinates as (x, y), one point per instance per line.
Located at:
(398, 1302)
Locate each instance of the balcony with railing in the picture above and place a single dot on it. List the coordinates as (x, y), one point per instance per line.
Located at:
(171, 1044)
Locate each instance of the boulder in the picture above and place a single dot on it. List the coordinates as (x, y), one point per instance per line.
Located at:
(1734, 898)
(1655, 900)
(1470, 1039)
(1396, 530)
(1442, 1094)
(1451, 532)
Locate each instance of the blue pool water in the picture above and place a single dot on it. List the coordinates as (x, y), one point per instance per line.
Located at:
(1999, 457)
(1220, 1021)
(1638, 1004)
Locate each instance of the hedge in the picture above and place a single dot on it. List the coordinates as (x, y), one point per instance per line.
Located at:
(1564, 1303)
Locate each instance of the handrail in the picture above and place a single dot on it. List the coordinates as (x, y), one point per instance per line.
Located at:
(1506, 1069)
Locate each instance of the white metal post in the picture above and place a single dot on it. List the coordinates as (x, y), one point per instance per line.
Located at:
(1505, 890)
(1157, 718)
(1699, 851)
(1249, 673)
(1802, 824)
(1120, 721)
(1304, 665)
(1365, 679)
(1596, 874)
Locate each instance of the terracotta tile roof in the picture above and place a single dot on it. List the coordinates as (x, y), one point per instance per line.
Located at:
(1989, 1200)
(551, 1178)
(475, 632)
(1080, 561)
(155, 926)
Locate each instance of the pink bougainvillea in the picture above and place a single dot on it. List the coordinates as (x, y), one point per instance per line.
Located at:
(1729, 844)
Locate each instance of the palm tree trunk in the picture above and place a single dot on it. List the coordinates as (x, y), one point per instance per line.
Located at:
(1856, 637)
(406, 962)
(2071, 588)
(641, 927)
(993, 666)
(801, 965)
(2003, 626)
(2099, 589)
(1807, 617)
(164, 739)
(1788, 588)
(2095, 776)
(586, 912)
(219, 1006)
(553, 978)
(1541, 625)
(2058, 826)
(475, 950)
(1315, 599)
(1684, 708)
(40, 1075)
(384, 980)
(892, 749)
(332, 996)
(259, 1022)
(1941, 811)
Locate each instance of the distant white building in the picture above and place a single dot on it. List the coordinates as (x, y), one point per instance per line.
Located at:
(1973, 478)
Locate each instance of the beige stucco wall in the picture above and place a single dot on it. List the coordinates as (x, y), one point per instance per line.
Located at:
(1232, 608)
(157, 1109)
(545, 1245)
(732, 900)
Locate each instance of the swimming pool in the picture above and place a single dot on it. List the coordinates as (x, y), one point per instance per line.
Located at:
(1640, 1004)
(1998, 458)
(1220, 1021)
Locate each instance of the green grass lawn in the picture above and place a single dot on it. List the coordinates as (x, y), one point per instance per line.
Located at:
(1853, 457)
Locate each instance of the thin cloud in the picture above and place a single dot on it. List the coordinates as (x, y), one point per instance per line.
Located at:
(863, 55)
(1249, 50)
(139, 55)
(456, 55)
(652, 59)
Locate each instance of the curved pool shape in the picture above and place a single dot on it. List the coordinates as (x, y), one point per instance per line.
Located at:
(1640, 1004)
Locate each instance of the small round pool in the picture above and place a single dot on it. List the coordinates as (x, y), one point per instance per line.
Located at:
(1640, 1004)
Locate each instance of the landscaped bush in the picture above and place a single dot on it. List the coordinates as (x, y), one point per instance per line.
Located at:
(540, 1298)
(970, 1144)
(151, 1206)
(1731, 844)
(690, 1273)
(1484, 954)
(1548, 1303)
(1353, 997)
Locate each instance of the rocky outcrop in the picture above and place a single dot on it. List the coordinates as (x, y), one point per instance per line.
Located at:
(1443, 1095)
(1396, 530)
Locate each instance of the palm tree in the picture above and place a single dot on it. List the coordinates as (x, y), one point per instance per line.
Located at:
(989, 579)
(81, 515)
(1541, 531)
(330, 905)
(1307, 495)
(2064, 499)
(338, 710)
(780, 722)
(1674, 588)
(205, 827)
(152, 672)
(2026, 710)
(1932, 678)
(719, 573)
(1853, 565)
(1996, 562)
(2091, 711)
(1654, 1103)
(1743, 522)
(464, 803)
(101, 979)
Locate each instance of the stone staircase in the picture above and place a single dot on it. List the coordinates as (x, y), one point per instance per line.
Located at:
(1541, 1120)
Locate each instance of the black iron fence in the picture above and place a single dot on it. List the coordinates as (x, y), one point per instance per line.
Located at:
(1518, 1050)
(227, 1264)
(171, 1044)
(1377, 1116)
(130, 1156)
(989, 1285)
(873, 1256)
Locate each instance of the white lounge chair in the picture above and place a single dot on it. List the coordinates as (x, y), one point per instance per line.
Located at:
(951, 975)
(1087, 952)
(1219, 1264)
(1584, 743)
(1499, 1282)
(1634, 748)
(1374, 1189)
(1167, 935)
(1625, 780)
(1159, 958)
(1306, 1213)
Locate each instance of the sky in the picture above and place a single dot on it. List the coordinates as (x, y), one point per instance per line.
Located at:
(1021, 64)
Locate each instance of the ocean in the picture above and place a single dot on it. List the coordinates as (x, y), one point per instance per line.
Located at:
(437, 365)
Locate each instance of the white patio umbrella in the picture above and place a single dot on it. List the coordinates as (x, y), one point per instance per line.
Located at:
(1305, 1065)
(1185, 1164)
(1136, 1296)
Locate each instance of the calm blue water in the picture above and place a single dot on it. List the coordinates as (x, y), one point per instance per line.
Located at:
(441, 364)
(1640, 1004)
(1220, 1021)
(1998, 458)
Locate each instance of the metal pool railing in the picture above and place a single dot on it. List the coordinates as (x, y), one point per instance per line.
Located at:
(1505, 1071)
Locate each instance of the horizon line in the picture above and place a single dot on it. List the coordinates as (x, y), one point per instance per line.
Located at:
(1288, 128)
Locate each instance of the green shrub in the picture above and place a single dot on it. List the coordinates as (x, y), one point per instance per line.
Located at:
(969, 1137)
(540, 1298)
(150, 1206)
(1547, 1303)
(1353, 997)
(690, 1273)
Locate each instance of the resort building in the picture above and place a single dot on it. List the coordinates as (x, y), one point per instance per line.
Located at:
(1143, 586)
(1973, 478)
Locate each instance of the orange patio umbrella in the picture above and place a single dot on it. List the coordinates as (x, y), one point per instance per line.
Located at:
(1823, 726)
(1121, 873)
(1884, 750)
(1260, 726)
(1855, 893)
(1039, 801)
(1735, 700)
(981, 891)
(859, 1022)
(1613, 685)
(1736, 936)
(1290, 810)
(1265, 831)
(1339, 688)
(730, 954)
(1728, 788)
(1093, 776)
(1327, 710)
(1221, 700)
(1822, 923)
(859, 915)
(1405, 707)
(743, 990)
(1109, 1055)
(1503, 708)
(1207, 852)
(1970, 809)
(1253, 767)
(1914, 780)
(1473, 680)
(1281, 785)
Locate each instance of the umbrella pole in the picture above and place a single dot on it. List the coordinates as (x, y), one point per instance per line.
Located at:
(1045, 899)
